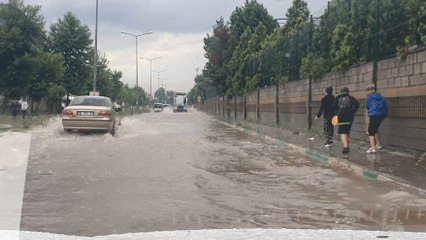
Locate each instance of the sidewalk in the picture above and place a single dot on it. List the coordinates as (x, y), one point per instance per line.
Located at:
(386, 164)
(14, 150)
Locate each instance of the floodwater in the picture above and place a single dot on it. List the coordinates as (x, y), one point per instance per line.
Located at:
(181, 171)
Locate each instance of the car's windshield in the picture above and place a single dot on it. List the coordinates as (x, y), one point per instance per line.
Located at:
(89, 101)
(212, 119)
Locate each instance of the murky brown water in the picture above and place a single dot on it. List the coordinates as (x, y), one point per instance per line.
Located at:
(170, 171)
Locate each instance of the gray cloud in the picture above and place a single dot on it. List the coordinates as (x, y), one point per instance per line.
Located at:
(179, 27)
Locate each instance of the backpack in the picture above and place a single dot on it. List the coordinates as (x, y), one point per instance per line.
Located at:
(345, 104)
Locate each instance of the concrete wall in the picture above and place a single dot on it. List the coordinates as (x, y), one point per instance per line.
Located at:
(402, 82)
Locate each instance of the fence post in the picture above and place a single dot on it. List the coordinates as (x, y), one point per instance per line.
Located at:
(227, 108)
(217, 106)
(235, 108)
(223, 106)
(245, 107)
(257, 106)
(310, 104)
(277, 103)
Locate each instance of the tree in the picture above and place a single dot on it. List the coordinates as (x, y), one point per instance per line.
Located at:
(49, 70)
(54, 97)
(297, 14)
(108, 81)
(72, 39)
(297, 32)
(344, 54)
(313, 66)
(248, 71)
(127, 96)
(130, 96)
(247, 18)
(215, 47)
(170, 95)
(160, 95)
(21, 36)
(417, 23)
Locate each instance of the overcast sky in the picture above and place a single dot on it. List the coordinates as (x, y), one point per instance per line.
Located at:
(179, 27)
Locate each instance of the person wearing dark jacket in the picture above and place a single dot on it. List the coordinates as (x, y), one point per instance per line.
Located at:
(346, 106)
(377, 110)
(327, 106)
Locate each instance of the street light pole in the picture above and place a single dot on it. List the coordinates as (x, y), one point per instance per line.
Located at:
(95, 61)
(137, 69)
(150, 72)
(158, 76)
(162, 81)
(164, 89)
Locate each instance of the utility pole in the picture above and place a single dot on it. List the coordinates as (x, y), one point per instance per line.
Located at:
(158, 76)
(95, 61)
(150, 71)
(137, 69)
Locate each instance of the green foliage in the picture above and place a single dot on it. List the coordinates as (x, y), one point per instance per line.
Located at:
(108, 81)
(48, 67)
(216, 48)
(417, 23)
(248, 17)
(170, 97)
(132, 96)
(76, 51)
(297, 15)
(49, 71)
(193, 96)
(160, 95)
(21, 37)
(343, 51)
(252, 18)
(313, 66)
(54, 96)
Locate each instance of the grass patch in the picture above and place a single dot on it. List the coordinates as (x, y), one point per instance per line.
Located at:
(18, 124)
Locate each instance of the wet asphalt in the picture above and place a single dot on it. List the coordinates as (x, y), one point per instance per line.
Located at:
(180, 171)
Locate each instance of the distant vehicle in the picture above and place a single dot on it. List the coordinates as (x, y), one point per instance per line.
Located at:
(90, 113)
(180, 103)
(166, 105)
(158, 107)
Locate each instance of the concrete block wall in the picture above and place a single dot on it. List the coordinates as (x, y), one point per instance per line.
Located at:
(402, 82)
(251, 106)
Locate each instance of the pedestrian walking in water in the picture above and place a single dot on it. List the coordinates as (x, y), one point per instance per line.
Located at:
(377, 111)
(327, 107)
(24, 107)
(14, 107)
(346, 106)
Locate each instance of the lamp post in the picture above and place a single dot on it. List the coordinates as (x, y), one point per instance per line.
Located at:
(136, 38)
(165, 93)
(150, 72)
(95, 62)
(158, 76)
(162, 81)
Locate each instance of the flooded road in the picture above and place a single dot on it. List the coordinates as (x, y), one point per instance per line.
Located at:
(166, 171)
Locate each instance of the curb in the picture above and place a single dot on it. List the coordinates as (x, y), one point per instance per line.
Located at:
(332, 161)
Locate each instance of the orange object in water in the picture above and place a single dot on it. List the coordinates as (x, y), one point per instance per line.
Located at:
(335, 120)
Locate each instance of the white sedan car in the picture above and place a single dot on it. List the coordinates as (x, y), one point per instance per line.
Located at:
(90, 113)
